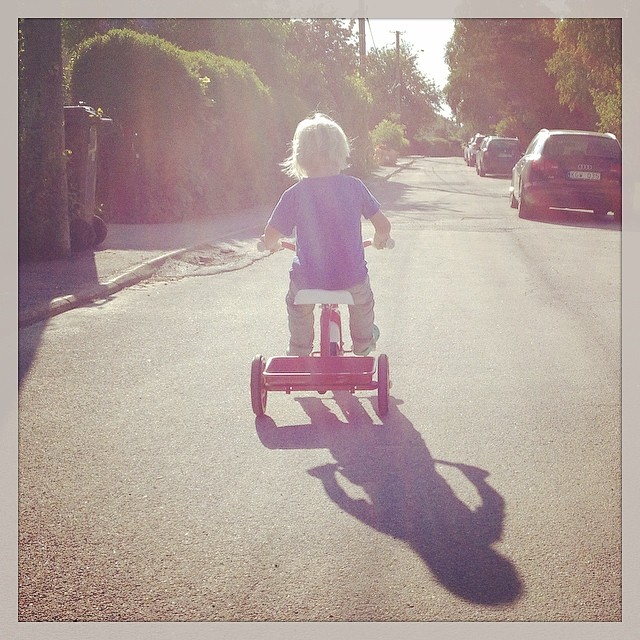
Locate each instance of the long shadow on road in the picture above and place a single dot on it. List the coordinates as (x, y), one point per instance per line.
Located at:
(407, 498)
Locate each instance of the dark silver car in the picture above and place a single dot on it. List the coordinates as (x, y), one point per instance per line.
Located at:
(470, 149)
(497, 155)
(568, 169)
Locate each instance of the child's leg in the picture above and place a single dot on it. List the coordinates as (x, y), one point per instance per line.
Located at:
(361, 318)
(301, 322)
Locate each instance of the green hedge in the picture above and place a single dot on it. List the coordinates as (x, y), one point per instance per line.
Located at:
(245, 147)
(193, 132)
(436, 147)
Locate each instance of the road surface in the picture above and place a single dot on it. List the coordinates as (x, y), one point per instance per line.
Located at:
(490, 492)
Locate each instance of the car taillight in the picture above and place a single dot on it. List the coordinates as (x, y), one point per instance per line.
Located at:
(543, 168)
(616, 171)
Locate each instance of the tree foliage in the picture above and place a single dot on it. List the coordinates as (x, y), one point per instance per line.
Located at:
(398, 87)
(587, 66)
(515, 76)
(193, 128)
(326, 79)
(199, 131)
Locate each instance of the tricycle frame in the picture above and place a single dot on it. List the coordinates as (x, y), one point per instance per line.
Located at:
(328, 369)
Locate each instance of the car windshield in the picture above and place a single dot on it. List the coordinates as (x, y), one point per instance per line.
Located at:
(581, 145)
(504, 145)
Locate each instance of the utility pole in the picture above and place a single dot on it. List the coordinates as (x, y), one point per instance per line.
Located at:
(362, 43)
(398, 73)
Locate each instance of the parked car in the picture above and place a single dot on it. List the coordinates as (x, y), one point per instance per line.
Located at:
(497, 155)
(568, 169)
(471, 148)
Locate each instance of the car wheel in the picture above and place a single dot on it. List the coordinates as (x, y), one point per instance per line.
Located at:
(524, 210)
(101, 229)
(513, 203)
(82, 234)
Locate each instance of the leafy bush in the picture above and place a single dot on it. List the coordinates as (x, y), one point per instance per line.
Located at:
(240, 153)
(353, 117)
(390, 134)
(193, 132)
(160, 115)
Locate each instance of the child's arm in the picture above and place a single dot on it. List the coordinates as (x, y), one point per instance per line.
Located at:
(382, 228)
(271, 238)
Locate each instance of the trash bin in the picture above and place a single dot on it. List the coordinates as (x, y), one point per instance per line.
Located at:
(81, 124)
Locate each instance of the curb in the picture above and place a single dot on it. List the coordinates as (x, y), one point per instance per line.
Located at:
(99, 291)
(398, 167)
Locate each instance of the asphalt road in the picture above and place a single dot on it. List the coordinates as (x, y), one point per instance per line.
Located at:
(490, 492)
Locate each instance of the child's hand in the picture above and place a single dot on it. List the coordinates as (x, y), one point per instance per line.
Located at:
(262, 245)
(380, 240)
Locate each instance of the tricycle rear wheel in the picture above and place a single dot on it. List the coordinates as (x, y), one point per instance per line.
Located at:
(258, 390)
(383, 384)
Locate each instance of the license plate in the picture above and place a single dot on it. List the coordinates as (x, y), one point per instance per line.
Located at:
(584, 175)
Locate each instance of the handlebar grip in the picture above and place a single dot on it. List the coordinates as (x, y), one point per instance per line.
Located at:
(284, 244)
(389, 244)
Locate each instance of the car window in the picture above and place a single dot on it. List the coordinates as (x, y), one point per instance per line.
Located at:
(581, 145)
(603, 147)
(504, 145)
(532, 144)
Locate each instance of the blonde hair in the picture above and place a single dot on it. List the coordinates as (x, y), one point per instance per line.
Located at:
(319, 144)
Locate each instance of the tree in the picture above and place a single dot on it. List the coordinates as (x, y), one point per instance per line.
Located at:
(261, 43)
(325, 51)
(43, 218)
(398, 87)
(326, 79)
(587, 66)
(499, 82)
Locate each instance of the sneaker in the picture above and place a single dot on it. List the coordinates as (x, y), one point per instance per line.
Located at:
(372, 346)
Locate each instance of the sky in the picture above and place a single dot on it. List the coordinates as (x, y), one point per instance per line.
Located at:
(428, 38)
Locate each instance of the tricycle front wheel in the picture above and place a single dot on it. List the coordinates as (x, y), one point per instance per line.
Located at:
(383, 384)
(258, 390)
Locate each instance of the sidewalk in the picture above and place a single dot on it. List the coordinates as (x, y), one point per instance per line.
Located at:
(129, 254)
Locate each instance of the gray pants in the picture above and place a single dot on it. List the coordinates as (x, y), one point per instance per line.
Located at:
(302, 320)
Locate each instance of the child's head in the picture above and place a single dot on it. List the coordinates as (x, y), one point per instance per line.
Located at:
(319, 147)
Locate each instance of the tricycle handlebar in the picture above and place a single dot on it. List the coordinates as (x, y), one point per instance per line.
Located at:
(287, 244)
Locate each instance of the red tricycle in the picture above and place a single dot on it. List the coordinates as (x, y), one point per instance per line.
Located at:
(329, 368)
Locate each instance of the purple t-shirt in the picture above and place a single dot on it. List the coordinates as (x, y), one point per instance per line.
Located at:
(326, 215)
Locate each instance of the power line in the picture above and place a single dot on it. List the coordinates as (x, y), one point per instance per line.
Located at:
(371, 34)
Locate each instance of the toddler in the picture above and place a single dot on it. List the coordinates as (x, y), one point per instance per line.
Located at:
(324, 209)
